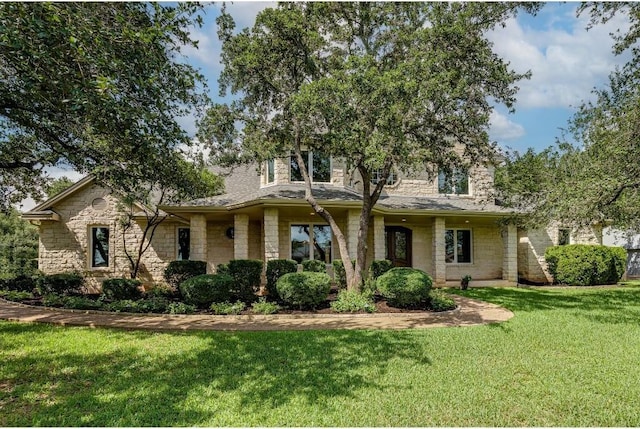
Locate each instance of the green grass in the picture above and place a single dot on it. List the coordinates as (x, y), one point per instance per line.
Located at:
(569, 357)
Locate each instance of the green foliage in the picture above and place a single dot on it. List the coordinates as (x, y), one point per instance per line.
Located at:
(205, 289)
(155, 304)
(80, 303)
(339, 273)
(246, 275)
(585, 265)
(262, 306)
(379, 267)
(123, 306)
(227, 307)
(405, 287)
(276, 268)
(160, 291)
(439, 301)
(179, 271)
(222, 269)
(180, 308)
(14, 295)
(121, 289)
(304, 290)
(314, 266)
(351, 301)
(19, 283)
(57, 186)
(63, 284)
(18, 245)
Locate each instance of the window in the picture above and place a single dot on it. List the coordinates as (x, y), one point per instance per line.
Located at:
(311, 242)
(271, 171)
(318, 165)
(457, 182)
(457, 246)
(391, 180)
(564, 237)
(184, 243)
(99, 247)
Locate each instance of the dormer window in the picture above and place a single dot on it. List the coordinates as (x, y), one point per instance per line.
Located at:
(318, 165)
(456, 182)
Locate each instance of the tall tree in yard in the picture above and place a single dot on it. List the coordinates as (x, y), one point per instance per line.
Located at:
(378, 84)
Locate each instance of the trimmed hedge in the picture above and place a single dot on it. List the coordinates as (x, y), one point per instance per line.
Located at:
(314, 266)
(379, 267)
(405, 287)
(305, 289)
(246, 275)
(121, 289)
(204, 290)
(276, 268)
(339, 275)
(62, 284)
(20, 283)
(179, 271)
(586, 265)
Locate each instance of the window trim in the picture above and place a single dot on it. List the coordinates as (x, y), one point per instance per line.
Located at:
(454, 172)
(455, 246)
(310, 169)
(311, 226)
(90, 253)
(178, 228)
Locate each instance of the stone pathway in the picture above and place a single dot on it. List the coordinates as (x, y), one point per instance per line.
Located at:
(470, 312)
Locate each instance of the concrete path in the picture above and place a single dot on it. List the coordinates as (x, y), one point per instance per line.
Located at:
(470, 312)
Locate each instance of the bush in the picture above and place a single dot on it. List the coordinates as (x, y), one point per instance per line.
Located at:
(314, 266)
(222, 269)
(352, 302)
(62, 284)
(264, 307)
(438, 301)
(227, 307)
(304, 289)
(20, 283)
(276, 268)
(160, 291)
(180, 308)
(156, 304)
(246, 275)
(585, 265)
(379, 267)
(179, 271)
(123, 306)
(81, 303)
(121, 289)
(206, 289)
(339, 275)
(15, 295)
(405, 287)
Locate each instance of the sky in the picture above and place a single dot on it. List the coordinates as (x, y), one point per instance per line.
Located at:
(566, 62)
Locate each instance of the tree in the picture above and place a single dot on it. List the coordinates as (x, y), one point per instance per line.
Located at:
(598, 180)
(57, 185)
(378, 84)
(18, 246)
(95, 86)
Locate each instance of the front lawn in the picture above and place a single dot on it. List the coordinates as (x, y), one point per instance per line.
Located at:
(569, 357)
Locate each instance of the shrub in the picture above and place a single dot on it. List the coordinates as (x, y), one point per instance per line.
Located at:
(379, 267)
(81, 303)
(20, 283)
(584, 265)
(405, 287)
(349, 301)
(123, 306)
(222, 269)
(160, 291)
(156, 304)
(339, 275)
(264, 307)
(64, 283)
(205, 289)
(180, 308)
(227, 307)
(15, 295)
(304, 289)
(179, 271)
(276, 268)
(438, 301)
(52, 300)
(121, 289)
(314, 266)
(246, 275)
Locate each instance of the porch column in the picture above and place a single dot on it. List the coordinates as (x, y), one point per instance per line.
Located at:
(379, 246)
(241, 236)
(271, 238)
(198, 231)
(439, 263)
(353, 225)
(510, 253)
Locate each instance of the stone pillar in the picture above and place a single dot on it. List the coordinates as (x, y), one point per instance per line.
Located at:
(439, 263)
(241, 236)
(353, 225)
(271, 238)
(510, 253)
(379, 245)
(198, 231)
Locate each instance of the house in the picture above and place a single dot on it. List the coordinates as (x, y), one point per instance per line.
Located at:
(446, 226)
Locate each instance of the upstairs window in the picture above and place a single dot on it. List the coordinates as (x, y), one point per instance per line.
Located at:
(376, 175)
(184, 244)
(457, 182)
(99, 247)
(271, 171)
(318, 165)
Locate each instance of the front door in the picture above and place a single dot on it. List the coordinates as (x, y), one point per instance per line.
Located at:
(398, 240)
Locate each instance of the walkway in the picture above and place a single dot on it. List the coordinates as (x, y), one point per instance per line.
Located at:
(470, 312)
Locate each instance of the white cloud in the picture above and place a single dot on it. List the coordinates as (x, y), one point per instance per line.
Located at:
(566, 62)
(503, 129)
